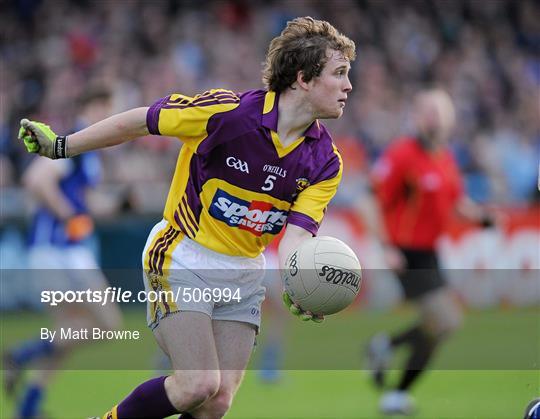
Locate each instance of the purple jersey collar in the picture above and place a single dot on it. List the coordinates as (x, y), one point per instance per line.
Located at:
(270, 117)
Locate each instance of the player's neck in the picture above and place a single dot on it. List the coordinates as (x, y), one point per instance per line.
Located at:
(430, 145)
(294, 117)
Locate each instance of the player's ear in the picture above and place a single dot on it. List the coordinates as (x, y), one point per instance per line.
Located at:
(300, 81)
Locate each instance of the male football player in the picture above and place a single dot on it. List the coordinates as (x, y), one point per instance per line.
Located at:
(418, 186)
(250, 164)
(61, 258)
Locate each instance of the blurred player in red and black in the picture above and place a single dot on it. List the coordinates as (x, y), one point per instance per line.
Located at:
(418, 186)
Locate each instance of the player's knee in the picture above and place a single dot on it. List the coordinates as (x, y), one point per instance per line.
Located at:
(218, 406)
(196, 396)
(453, 322)
(442, 314)
(188, 394)
(112, 321)
(222, 402)
(110, 317)
(448, 322)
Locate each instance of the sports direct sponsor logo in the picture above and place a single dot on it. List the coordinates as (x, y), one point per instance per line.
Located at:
(257, 217)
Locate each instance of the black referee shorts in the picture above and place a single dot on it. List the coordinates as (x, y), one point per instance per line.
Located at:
(422, 274)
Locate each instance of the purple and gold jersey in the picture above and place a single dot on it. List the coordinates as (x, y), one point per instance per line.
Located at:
(235, 186)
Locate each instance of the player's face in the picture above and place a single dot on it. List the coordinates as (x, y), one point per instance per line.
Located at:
(434, 117)
(328, 93)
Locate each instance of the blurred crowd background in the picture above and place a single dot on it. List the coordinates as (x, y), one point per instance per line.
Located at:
(485, 53)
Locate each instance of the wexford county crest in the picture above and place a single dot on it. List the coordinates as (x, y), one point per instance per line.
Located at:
(301, 184)
(155, 281)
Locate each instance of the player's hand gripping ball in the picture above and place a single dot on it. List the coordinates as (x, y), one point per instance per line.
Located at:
(322, 276)
(295, 310)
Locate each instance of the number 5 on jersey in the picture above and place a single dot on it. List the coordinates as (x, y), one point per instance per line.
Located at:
(269, 183)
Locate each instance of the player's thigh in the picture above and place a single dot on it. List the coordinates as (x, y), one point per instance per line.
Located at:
(422, 276)
(234, 344)
(69, 315)
(103, 314)
(441, 311)
(188, 339)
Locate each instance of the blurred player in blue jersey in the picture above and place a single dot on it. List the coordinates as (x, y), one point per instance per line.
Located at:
(250, 164)
(60, 258)
(272, 349)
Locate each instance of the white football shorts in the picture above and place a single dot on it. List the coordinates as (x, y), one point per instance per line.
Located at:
(68, 268)
(181, 275)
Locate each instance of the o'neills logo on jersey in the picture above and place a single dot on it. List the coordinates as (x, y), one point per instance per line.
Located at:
(257, 217)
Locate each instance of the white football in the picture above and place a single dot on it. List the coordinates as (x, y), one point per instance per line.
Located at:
(323, 275)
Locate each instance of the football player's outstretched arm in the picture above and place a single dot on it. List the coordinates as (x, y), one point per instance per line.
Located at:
(39, 138)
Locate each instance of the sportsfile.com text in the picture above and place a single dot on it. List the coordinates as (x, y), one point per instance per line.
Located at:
(118, 295)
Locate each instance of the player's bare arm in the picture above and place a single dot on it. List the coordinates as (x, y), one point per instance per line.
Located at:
(292, 238)
(370, 211)
(41, 179)
(117, 129)
(114, 130)
(470, 210)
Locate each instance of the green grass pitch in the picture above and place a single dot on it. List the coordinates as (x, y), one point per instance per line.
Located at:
(453, 389)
